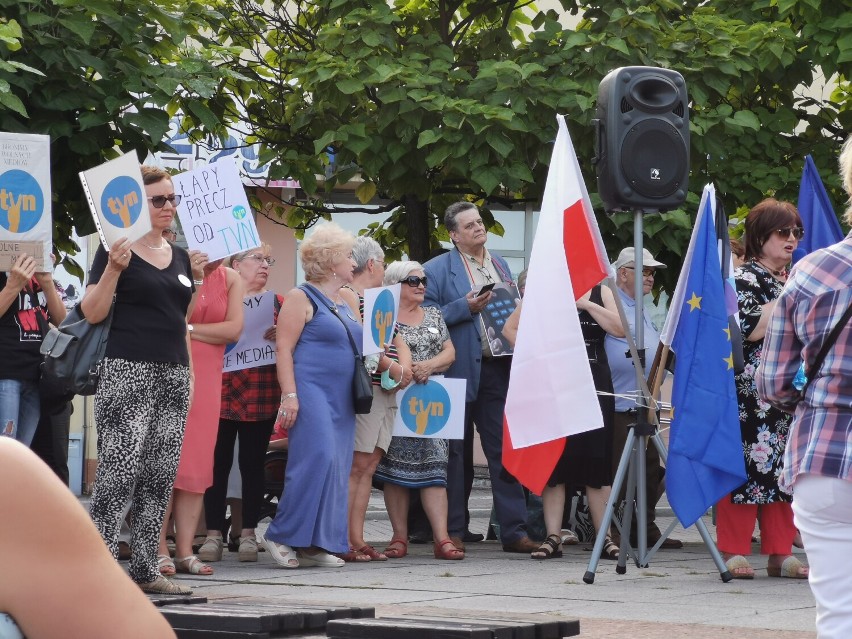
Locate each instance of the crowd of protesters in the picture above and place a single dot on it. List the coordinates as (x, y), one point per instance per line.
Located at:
(169, 419)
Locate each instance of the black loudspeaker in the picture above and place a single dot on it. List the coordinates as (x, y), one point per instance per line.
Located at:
(642, 138)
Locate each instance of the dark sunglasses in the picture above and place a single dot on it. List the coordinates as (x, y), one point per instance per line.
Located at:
(159, 201)
(797, 231)
(413, 281)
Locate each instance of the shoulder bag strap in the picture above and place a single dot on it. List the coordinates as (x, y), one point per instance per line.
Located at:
(827, 344)
(310, 290)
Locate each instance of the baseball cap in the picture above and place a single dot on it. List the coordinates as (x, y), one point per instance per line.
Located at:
(627, 257)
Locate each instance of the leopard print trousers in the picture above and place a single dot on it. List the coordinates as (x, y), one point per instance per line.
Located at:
(140, 412)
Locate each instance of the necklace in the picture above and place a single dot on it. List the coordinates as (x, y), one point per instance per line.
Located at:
(776, 273)
(163, 245)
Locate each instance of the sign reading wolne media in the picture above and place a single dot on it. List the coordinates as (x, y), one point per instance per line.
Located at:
(253, 349)
(25, 200)
(214, 210)
(117, 199)
(381, 306)
(434, 409)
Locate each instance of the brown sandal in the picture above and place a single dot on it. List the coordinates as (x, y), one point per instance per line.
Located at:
(447, 550)
(354, 556)
(395, 553)
(372, 553)
(549, 549)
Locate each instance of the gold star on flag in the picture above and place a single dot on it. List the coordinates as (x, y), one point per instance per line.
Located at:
(694, 302)
(728, 333)
(730, 360)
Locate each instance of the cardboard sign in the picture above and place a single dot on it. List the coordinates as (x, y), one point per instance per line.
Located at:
(252, 349)
(504, 299)
(381, 307)
(26, 215)
(432, 410)
(117, 199)
(214, 211)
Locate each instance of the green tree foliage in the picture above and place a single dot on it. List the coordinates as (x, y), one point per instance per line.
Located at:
(102, 77)
(428, 101)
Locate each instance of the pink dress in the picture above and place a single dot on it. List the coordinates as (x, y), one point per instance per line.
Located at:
(195, 471)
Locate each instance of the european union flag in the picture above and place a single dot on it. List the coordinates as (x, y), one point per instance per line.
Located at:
(705, 459)
(818, 219)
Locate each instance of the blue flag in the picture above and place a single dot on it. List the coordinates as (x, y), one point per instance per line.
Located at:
(818, 219)
(705, 459)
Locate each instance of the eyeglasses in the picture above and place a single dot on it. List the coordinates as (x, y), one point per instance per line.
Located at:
(260, 258)
(159, 201)
(646, 272)
(413, 281)
(796, 231)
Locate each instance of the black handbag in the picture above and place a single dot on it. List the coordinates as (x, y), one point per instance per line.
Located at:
(72, 352)
(362, 381)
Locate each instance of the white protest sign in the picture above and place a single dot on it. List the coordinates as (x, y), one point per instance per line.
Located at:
(381, 306)
(432, 410)
(214, 210)
(26, 220)
(252, 349)
(117, 199)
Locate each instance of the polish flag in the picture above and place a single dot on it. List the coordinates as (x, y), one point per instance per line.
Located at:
(551, 390)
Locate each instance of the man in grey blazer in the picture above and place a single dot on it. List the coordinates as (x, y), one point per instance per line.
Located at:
(455, 278)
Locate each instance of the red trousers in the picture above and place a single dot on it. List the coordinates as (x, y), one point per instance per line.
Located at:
(735, 526)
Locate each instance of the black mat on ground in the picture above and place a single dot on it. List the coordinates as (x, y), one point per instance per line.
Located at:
(433, 627)
(255, 619)
(170, 600)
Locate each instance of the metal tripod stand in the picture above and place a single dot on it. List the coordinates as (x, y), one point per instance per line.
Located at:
(632, 463)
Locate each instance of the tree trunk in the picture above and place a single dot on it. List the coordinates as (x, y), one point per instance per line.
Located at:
(418, 233)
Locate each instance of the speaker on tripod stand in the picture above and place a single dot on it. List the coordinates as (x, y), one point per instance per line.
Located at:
(642, 139)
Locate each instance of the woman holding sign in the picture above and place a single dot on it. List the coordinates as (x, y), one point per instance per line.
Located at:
(316, 366)
(250, 398)
(216, 320)
(372, 431)
(145, 379)
(413, 462)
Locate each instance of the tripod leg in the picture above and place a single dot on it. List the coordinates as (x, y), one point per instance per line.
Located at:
(724, 573)
(620, 474)
(629, 506)
(641, 502)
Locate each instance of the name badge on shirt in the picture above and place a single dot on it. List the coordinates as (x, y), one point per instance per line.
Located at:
(183, 279)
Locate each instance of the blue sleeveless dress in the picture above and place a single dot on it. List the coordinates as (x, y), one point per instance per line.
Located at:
(313, 508)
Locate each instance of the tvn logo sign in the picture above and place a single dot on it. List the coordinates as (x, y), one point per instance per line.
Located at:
(21, 201)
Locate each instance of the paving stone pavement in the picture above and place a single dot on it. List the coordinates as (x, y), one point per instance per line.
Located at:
(680, 594)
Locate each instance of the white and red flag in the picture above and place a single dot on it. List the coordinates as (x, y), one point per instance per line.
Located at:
(551, 390)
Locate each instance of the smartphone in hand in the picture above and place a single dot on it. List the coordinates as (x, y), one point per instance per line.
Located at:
(485, 289)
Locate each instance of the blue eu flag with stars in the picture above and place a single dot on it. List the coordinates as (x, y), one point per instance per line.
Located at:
(705, 459)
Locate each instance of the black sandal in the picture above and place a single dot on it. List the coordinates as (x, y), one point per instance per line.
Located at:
(610, 550)
(549, 549)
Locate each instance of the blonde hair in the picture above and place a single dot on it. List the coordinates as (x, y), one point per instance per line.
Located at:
(325, 246)
(153, 174)
(400, 270)
(846, 175)
(264, 248)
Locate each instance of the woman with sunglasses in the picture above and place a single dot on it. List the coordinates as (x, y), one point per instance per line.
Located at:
(145, 379)
(412, 462)
(772, 233)
(250, 399)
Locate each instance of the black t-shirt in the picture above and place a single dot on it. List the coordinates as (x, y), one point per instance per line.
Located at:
(149, 318)
(20, 335)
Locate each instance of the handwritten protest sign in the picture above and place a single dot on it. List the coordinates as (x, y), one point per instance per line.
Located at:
(117, 199)
(26, 221)
(434, 409)
(381, 306)
(252, 349)
(214, 210)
